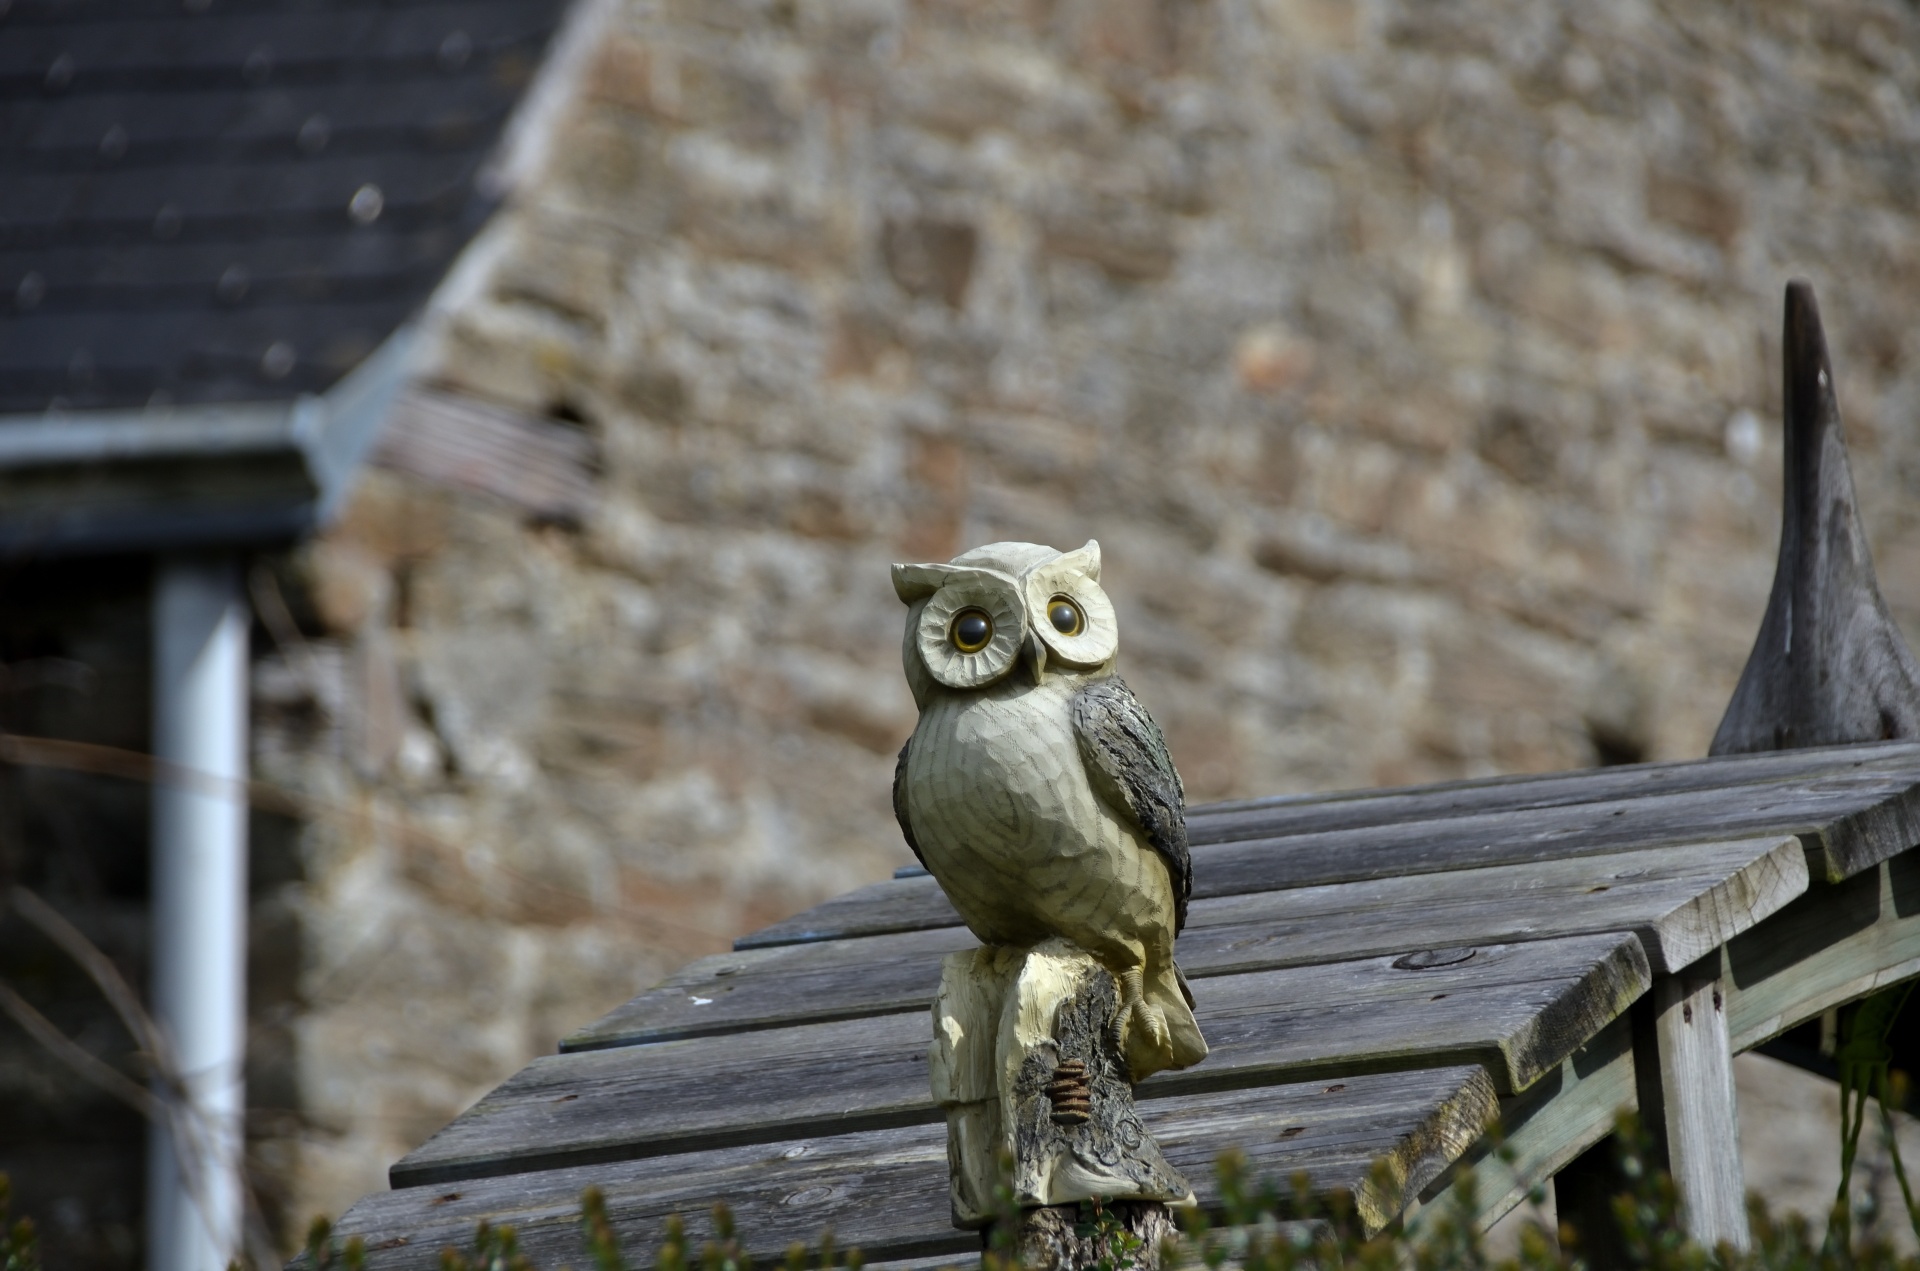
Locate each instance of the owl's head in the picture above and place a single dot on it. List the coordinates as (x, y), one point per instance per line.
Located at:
(1001, 608)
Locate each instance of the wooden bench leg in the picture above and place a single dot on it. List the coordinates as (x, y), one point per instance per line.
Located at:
(1693, 1103)
(1683, 1078)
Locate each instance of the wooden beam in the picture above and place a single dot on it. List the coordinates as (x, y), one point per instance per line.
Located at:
(1696, 1110)
(1681, 904)
(1829, 665)
(1835, 945)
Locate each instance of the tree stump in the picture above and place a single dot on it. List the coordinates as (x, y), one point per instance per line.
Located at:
(1029, 1066)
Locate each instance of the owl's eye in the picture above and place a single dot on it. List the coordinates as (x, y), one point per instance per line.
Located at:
(971, 630)
(1066, 616)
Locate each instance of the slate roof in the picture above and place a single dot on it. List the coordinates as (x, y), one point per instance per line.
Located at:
(236, 200)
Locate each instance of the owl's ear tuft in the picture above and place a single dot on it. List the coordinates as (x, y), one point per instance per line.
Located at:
(917, 582)
(1085, 561)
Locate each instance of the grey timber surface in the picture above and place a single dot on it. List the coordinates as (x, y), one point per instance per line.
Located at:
(1375, 974)
(885, 1191)
(1681, 903)
(1696, 1106)
(1543, 1129)
(1847, 820)
(1836, 944)
(1517, 1010)
(1353, 809)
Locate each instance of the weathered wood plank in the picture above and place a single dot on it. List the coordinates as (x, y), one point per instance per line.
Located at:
(1515, 1009)
(937, 1262)
(1834, 945)
(1544, 1129)
(1852, 819)
(1355, 809)
(913, 902)
(885, 1191)
(1689, 1025)
(1848, 821)
(1682, 904)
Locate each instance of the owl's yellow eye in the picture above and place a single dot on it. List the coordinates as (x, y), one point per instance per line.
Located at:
(1066, 616)
(971, 630)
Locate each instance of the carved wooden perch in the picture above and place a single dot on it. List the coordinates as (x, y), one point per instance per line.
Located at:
(1829, 666)
(1029, 1065)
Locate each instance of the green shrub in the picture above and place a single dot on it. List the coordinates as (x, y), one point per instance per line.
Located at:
(19, 1246)
(1258, 1226)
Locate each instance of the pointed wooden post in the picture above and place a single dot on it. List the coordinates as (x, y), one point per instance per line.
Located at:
(1829, 666)
(1028, 1063)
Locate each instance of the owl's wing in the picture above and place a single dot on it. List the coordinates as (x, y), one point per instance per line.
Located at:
(900, 803)
(1127, 760)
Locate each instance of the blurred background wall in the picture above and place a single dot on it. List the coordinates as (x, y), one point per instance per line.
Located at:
(1415, 364)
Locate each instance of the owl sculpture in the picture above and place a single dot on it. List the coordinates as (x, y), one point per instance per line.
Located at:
(1036, 788)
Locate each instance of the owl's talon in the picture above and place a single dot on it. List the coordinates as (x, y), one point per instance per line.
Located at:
(1149, 1042)
(1140, 1028)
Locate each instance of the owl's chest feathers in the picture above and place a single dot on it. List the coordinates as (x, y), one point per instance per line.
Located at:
(995, 779)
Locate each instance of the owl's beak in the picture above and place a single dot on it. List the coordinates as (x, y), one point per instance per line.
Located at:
(1034, 655)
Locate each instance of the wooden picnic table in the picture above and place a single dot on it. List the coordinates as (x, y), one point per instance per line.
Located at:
(1382, 975)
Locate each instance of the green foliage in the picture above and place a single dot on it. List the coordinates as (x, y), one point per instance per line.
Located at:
(1864, 1056)
(1258, 1225)
(1255, 1236)
(19, 1245)
(324, 1253)
(1120, 1249)
(1263, 1228)
(494, 1249)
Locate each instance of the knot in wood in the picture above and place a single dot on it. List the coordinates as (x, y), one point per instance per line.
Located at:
(1071, 1092)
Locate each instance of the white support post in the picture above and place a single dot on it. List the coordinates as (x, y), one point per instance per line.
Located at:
(200, 625)
(1697, 1108)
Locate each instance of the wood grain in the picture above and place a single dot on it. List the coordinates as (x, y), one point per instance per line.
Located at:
(1829, 665)
(1681, 904)
(885, 1191)
(1356, 809)
(1515, 1009)
(1543, 1130)
(1697, 1108)
(1836, 944)
(1848, 821)
(1852, 820)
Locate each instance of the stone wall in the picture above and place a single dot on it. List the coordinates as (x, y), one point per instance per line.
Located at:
(1416, 365)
